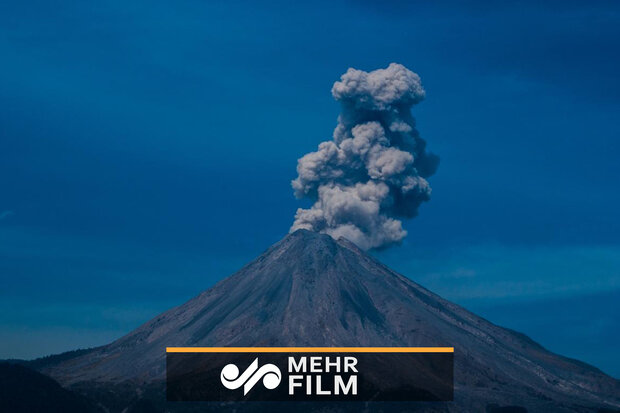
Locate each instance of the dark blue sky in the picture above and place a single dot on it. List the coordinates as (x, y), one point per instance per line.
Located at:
(146, 151)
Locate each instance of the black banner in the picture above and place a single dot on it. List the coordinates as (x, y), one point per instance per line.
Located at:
(319, 374)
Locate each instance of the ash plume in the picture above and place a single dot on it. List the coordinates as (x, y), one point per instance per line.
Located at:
(373, 173)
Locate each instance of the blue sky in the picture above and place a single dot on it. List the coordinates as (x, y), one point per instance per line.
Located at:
(146, 151)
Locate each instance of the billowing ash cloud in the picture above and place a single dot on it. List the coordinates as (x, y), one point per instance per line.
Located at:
(373, 172)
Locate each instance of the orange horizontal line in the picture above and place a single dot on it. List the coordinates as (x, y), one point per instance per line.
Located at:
(310, 349)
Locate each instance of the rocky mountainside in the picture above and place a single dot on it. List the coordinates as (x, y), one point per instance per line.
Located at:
(311, 290)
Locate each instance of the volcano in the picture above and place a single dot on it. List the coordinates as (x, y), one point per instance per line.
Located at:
(312, 290)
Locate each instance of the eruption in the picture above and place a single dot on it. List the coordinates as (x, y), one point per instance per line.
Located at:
(374, 170)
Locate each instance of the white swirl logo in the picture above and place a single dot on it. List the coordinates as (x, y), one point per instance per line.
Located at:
(232, 380)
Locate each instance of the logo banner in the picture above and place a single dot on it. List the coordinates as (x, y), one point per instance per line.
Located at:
(309, 373)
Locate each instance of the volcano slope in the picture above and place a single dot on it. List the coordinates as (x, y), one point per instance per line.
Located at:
(311, 290)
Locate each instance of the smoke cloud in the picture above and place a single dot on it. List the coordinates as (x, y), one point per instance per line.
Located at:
(373, 173)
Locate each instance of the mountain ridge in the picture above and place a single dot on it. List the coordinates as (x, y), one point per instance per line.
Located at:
(311, 290)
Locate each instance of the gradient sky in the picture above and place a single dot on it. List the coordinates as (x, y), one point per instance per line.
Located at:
(146, 152)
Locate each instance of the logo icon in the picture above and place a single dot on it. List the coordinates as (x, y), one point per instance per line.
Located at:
(253, 374)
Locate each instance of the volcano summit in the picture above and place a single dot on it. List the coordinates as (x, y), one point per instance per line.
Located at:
(312, 290)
